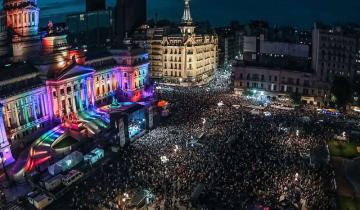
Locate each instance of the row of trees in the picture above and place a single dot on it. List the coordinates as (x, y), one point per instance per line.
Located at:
(342, 93)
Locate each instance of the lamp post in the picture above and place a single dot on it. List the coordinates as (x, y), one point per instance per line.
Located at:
(3, 159)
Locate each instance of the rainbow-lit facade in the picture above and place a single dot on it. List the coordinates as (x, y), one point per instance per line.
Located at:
(56, 82)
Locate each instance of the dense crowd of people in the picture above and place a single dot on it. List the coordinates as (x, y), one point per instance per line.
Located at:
(212, 152)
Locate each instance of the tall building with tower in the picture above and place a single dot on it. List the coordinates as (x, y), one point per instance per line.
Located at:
(129, 15)
(95, 5)
(184, 58)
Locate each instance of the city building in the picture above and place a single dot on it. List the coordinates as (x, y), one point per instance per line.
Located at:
(95, 5)
(58, 83)
(256, 47)
(4, 39)
(22, 18)
(93, 28)
(334, 52)
(129, 15)
(230, 45)
(278, 81)
(184, 58)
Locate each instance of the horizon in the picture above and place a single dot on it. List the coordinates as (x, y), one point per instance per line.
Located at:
(330, 12)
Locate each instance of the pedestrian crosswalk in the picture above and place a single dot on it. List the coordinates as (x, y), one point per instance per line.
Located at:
(14, 206)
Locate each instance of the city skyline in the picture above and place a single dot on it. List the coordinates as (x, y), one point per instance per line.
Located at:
(282, 13)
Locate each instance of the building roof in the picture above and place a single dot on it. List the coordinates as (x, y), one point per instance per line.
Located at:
(19, 87)
(11, 71)
(70, 71)
(288, 64)
(97, 53)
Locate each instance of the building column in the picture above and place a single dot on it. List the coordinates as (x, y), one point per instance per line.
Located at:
(25, 110)
(16, 117)
(79, 98)
(87, 93)
(59, 98)
(6, 117)
(73, 97)
(67, 105)
(34, 106)
(4, 143)
(42, 105)
(92, 92)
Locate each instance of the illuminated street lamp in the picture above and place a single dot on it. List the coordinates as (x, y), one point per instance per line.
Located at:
(164, 159)
(203, 121)
(176, 148)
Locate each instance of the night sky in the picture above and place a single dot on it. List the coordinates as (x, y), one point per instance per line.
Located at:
(219, 12)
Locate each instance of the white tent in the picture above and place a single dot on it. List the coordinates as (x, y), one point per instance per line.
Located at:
(66, 163)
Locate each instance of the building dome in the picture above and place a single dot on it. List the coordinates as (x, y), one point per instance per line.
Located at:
(18, 3)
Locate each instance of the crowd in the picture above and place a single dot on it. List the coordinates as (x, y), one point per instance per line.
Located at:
(219, 156)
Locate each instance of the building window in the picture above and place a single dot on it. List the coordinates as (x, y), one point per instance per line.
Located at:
(270, 78)
(306, 91)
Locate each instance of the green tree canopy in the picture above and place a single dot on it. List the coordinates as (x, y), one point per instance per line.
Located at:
(342, 91)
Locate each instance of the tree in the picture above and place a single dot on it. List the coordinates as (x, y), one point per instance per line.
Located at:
(296, 98)
(342, 92)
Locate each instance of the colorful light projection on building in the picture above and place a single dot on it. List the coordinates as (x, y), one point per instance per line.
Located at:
(40, 149)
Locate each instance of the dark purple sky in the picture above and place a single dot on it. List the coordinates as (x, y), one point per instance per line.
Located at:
(219, 12)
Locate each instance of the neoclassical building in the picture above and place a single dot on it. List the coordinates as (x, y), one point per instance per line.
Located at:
(55, 82)
(186, 58)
